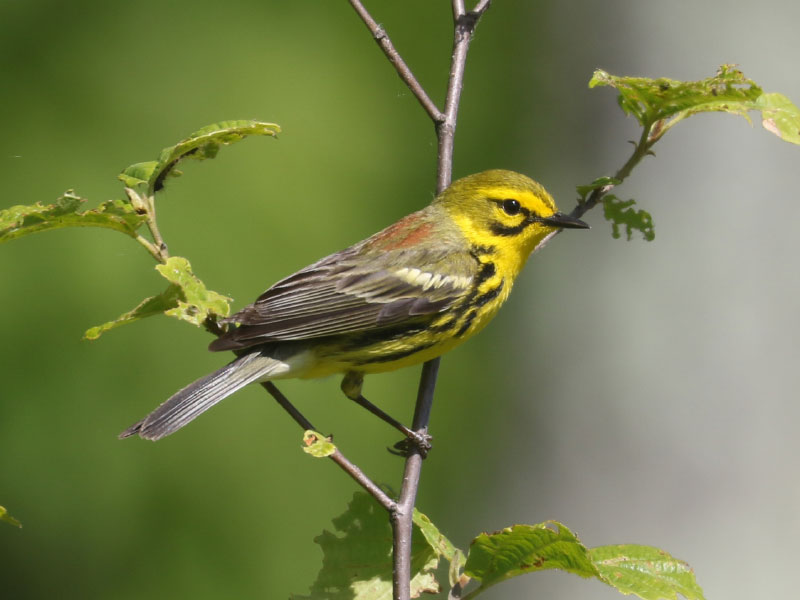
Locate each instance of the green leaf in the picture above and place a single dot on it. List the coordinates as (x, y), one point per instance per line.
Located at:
(650, 100)
(436, 540)
(196, 303)
(620, 213)
(317, 445)
(524, 549)
(780, 116)
(440, 545)
(186, 298)
(357, 560)
(21, 220)
(660, 103)
(4, 516)
(138, 175)
(599, 183)
(154, 305)
(149, 177)
(645, 571)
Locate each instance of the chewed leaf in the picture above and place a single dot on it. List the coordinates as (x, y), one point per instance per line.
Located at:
(21, 220)
(663, 102)
(524, 549)
(653, 99)
(196, 303)
(357, 559)
(621, 214)
(645, 571)
(185, 298)
(317, 445)
(149, 177)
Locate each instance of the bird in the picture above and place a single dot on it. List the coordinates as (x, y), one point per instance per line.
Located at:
(403, 296)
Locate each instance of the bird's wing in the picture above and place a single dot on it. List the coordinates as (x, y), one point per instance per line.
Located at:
(354, 290)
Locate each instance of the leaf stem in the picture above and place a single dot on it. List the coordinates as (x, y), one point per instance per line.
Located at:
(651, 133)
(351, 469)
(150, 247)
(146, 205)
(152, 225)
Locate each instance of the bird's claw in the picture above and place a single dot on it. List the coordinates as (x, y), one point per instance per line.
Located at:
(415, 440)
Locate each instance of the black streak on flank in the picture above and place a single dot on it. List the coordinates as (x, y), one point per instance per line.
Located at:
(398, 355)
(486, 271)
(477, 304)
(489, 295)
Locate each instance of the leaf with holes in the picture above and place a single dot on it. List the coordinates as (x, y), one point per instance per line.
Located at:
(149, 177)
(317, 445)
(186, 298)
(21, 220)
(620, 213)
(663, 102)
(357, 560)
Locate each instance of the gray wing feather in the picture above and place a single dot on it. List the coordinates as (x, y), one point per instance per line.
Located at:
(343, 293)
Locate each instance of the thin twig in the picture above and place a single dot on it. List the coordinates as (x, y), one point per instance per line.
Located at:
(397, 61)
(146, 205)
(641, 149)
(481, 7)
(152, 224)
(445, 123)
(351, 469)
(213, 326)
(465, 23)
(150, 247)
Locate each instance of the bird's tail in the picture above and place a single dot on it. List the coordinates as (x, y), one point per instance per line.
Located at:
(198, 397)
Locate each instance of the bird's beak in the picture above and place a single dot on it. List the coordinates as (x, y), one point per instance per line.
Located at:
(564, 221)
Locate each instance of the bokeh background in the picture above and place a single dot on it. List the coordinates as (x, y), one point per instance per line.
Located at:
(639, 392)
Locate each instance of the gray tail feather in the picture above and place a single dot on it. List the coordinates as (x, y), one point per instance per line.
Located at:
(198, 397)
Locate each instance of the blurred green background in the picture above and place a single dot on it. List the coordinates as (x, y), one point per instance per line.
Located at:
(638, 392)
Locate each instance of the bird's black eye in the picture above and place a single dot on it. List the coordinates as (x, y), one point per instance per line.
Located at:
(511, 207)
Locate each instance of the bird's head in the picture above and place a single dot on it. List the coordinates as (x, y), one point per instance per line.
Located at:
(504, 210)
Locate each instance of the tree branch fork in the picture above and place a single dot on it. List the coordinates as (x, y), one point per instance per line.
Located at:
(401, 510)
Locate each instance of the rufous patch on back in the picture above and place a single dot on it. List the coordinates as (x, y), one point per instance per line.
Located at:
(406, 233)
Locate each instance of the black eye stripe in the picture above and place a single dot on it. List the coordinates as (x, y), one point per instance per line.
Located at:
(506, 231)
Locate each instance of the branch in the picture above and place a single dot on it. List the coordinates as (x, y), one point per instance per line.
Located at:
(465, 24)
(402, 523)
(445, 124)
(213, 327)
(146, 205)
(397, 61)
(641, 149)
(351, 469)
